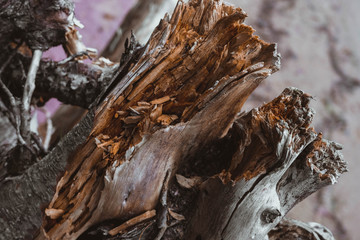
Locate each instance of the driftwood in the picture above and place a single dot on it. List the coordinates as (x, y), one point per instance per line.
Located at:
(164, 151)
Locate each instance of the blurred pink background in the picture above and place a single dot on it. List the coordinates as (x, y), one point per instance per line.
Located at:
(101, 19)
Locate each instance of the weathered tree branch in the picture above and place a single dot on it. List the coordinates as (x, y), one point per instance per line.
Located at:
(42, 24)
(23, 197)
(72, 82)
(36, 185)
(137, 21)
(172, 111)
(29, 88)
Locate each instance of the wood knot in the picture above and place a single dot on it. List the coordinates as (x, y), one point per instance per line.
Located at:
(269, 215)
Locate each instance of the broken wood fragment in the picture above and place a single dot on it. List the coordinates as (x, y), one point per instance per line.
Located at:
(145, 216)
(188, 182)
(263, 187)
(54, 213)
(189, 88)
(165, 137)
(176, 216)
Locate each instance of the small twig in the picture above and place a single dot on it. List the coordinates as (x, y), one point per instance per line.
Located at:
(145, 216)
(12, 100)
(30, 80)
(10, 96)
(37, 141)
(28, 92)
(22, 68)
(49, 129)
(16, 115)
(72, 57)
(2, 84)
(161, 233)
(143, 231)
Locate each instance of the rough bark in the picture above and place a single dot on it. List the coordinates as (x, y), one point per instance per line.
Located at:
(23, 197)
(71, 82)
(42, 24)
(28, 27)
(165, 153)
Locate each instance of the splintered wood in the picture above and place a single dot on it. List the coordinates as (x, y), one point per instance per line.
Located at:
(201, 51)
(183, 93)
(145, 216)
(277, 162)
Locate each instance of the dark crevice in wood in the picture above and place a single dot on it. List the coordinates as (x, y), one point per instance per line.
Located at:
(211, 159)
(255, 184)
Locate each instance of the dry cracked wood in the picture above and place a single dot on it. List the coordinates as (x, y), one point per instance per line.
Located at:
(174, 110)
(257, 190)
(194, 74)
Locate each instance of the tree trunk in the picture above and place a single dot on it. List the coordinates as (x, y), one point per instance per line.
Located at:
(165, 152)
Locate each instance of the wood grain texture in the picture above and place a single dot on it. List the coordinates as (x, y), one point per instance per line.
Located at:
(202, 65)
(171, 112)
(257, 190)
